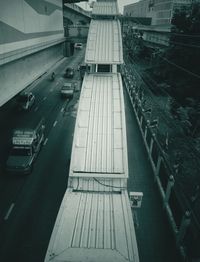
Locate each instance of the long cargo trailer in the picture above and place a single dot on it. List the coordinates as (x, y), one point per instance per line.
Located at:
(101, 51)
(93, 227)
(99, 152)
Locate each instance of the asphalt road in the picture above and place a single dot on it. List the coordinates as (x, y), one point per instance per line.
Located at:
(29, 204)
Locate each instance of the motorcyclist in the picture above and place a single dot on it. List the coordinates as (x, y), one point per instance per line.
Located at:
(52, 76)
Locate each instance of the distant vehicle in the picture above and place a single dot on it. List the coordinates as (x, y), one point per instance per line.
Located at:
(26, 100)
(67, 90)
(53, 76)
(78, 45)
(69, 72)
(26, 144)
(83, 68)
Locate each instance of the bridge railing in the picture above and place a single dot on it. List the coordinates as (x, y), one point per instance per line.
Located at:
(180, 212)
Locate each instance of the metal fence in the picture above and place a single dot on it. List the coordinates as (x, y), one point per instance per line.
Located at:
(180, 212)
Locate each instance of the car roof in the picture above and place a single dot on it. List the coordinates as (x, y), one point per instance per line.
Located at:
(67, 84)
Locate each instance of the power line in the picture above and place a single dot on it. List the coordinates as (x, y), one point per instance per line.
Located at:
(177, 43)
(185, 35)
(180, 67)
(187, 45)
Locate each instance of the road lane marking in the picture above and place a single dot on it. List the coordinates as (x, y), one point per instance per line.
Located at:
(44, 98)
(36, 109)
(55, 123)
(51, 90)
(62, 110)
(9, 211)
(45, 141)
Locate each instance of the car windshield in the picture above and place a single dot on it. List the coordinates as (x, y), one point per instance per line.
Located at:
(23, 98)
(21, 151)
(69, 86)
(69, 70)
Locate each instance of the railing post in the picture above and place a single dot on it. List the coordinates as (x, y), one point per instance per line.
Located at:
(170, 184)
(141, 119)
(151, 144)
(158, 165)
(185, 222)
(145, 132)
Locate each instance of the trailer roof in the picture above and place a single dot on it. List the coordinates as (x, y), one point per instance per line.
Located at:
(99, 144)
(104, 45)
(105, 8)
(93, 227)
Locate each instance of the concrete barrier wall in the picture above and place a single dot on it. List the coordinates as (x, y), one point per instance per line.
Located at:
(77, 31)
(23, 20)
(17, 75)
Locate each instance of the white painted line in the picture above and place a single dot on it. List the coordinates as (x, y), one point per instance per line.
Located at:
(51, 90)
(45, 141)
(62, 110)
(44, 98)
(55, 123)
(36, 109)
(9, 211)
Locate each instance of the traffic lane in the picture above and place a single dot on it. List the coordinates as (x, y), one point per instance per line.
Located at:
(150, 217)
(9, 115)
(28, 229)
(50, 91)
(12, 184)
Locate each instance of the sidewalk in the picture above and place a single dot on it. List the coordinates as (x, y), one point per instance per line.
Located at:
(154, 236)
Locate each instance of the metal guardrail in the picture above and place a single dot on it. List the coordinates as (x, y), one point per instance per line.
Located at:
(181, 218)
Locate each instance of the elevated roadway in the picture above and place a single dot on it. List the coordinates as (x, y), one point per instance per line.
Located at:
(32, 40)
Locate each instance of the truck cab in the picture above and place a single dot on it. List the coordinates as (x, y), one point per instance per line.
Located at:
(26, 144)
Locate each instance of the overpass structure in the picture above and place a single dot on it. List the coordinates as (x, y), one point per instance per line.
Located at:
(32, 40)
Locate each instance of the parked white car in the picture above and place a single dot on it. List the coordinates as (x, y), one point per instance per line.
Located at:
(78, 45)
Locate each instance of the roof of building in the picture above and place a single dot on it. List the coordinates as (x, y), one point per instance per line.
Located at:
(101, 51)
(105, 8)
(100, 145)
(93, 227)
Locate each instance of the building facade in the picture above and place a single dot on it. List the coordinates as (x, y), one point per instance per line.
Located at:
(161, 11)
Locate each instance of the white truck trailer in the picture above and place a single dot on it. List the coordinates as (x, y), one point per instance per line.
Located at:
(93, 227)
(99, 152)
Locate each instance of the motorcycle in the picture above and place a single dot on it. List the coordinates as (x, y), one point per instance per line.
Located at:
(52, 76)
